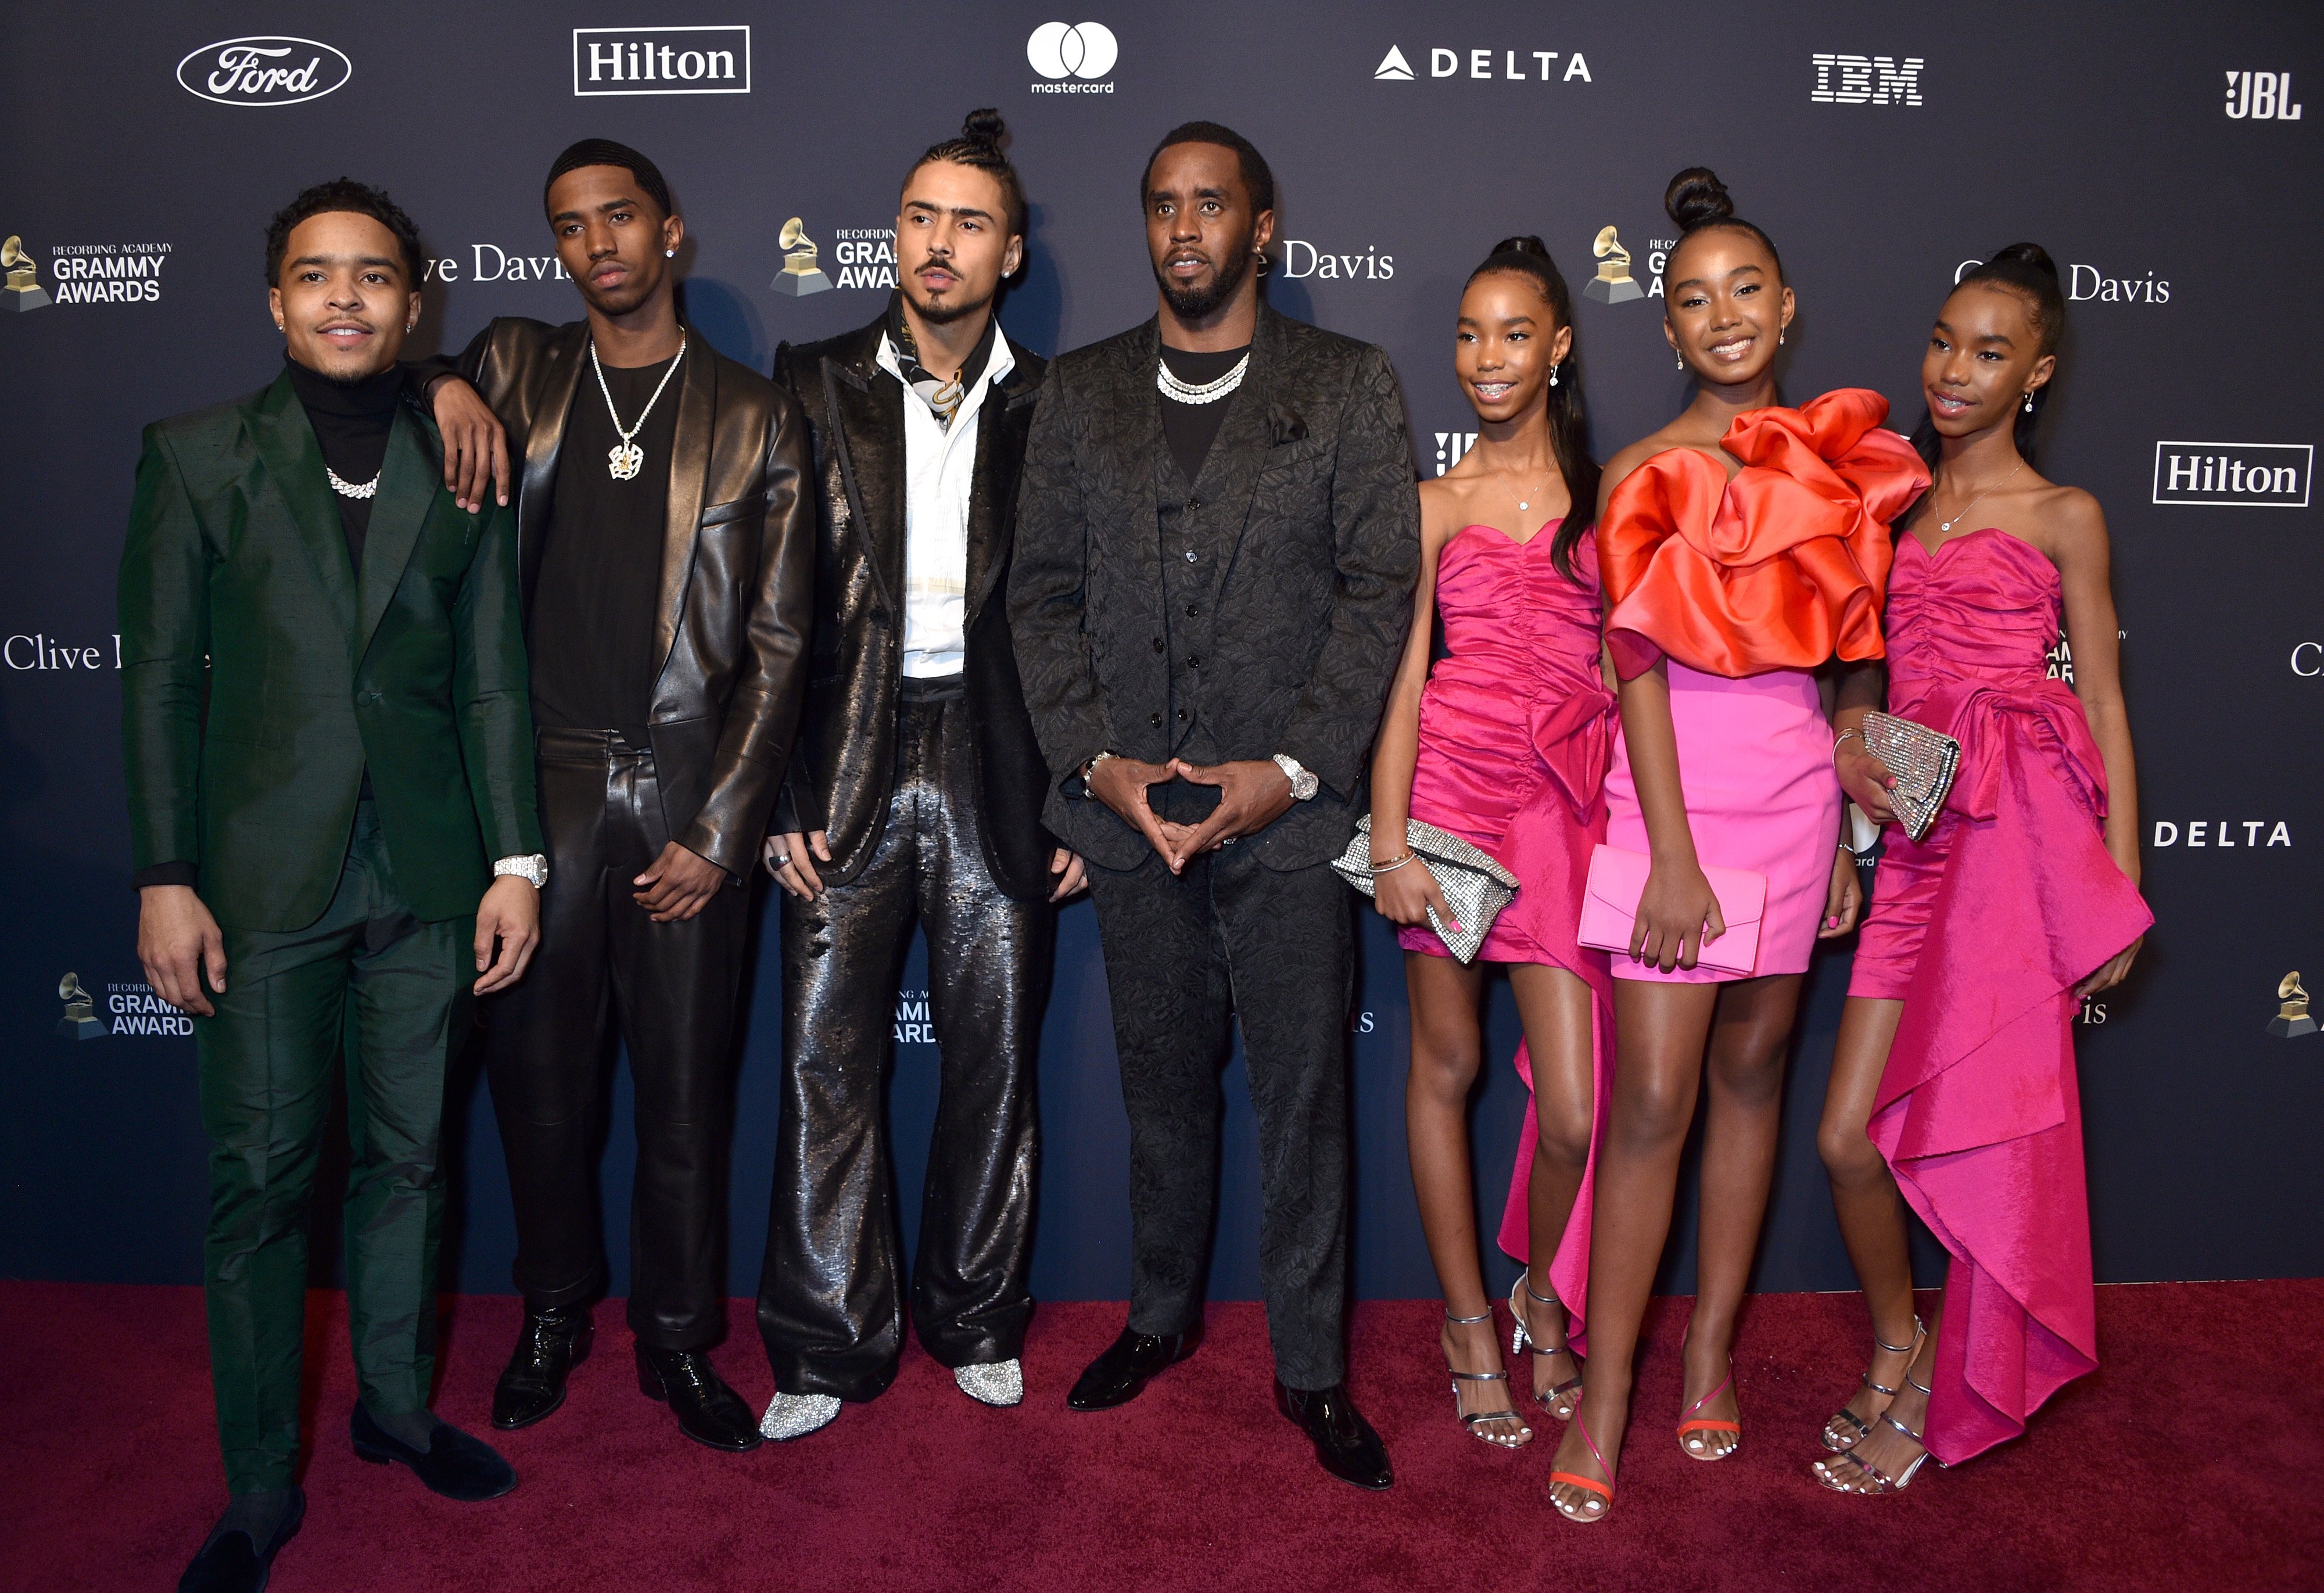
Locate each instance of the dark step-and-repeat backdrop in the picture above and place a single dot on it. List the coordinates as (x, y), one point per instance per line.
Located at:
(2163, 153)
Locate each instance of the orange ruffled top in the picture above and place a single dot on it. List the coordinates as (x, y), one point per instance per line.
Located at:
(1780, 569)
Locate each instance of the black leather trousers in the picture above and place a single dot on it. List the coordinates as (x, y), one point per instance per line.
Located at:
(671, 990)
(1233, 940)
(830, 1303)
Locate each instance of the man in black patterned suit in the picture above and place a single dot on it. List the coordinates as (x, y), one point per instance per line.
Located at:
(1217, 536)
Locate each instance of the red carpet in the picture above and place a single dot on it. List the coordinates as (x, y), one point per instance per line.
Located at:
(2190, 1461)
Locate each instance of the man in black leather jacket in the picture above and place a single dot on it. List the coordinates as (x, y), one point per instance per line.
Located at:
(666, 556)
(1217, 538)
(916, 793)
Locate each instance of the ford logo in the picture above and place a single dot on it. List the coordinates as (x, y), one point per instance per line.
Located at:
(263, 71)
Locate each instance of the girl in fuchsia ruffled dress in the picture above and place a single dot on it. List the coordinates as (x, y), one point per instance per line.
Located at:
(1953, 1082)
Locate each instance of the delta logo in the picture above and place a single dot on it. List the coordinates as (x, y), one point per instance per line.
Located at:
(1487, 64)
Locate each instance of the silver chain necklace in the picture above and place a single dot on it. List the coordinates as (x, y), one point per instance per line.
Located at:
(1209, 392)
(1944, 527)
(352, 489)
(624, 459)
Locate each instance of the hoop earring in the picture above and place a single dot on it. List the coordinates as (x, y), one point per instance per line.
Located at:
(2029, 400)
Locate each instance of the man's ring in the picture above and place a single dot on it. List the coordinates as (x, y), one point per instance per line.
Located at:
(782, 861)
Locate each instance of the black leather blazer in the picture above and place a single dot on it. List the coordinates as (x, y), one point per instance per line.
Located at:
(844, 768)
(1311, 593)
(737, 564)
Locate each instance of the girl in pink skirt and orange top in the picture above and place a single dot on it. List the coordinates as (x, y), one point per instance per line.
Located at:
(1744, 547)
(1504, 744)
(1953, 1077)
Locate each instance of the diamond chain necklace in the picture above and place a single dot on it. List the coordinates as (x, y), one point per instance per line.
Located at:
(1167, 383)
(352, 489)
(624, 459)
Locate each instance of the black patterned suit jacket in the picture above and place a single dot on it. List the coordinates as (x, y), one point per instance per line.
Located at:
(1300, 605)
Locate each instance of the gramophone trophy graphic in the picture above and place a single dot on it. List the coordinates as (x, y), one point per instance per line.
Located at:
(24, 290)
(2292, 1020)
(1612, 284)
(81, 1021)
(800, 276)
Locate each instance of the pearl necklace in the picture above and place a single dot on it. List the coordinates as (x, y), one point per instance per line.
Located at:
(1209, 392)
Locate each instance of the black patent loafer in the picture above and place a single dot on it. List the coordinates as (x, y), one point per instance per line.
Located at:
(532, 1383)
(453, 1464)
(1119, 1374)
(709, 1411)
(231, 1562)
(1344, 1441)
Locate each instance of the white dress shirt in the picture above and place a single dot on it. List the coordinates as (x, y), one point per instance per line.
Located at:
(939, 471)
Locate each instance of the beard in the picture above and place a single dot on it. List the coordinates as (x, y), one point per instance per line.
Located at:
(1193, 304)
(955, 306)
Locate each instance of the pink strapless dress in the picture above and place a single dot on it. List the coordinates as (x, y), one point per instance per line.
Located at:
(1516, 729)
(1982, 930)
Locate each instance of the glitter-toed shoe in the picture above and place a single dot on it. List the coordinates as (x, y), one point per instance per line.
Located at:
(1000, 1383)
(795, 1415)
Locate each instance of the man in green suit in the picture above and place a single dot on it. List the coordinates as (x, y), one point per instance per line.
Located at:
(331, 803)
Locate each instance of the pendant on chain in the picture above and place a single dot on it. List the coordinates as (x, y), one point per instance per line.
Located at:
(624, 460)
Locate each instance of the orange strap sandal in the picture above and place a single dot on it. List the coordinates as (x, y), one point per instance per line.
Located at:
(1693, 1423)
(1605, 1490)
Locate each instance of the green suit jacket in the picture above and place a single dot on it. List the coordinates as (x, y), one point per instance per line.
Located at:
(260, 675)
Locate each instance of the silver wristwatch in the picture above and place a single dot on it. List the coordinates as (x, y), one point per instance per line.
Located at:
(1304, 785)
(533, 870)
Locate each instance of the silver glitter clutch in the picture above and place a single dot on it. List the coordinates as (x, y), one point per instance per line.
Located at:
(1923, 761)
(1474, 886)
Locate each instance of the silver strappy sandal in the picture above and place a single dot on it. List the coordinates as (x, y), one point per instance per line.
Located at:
(1864, 1428)
(1827, 1472)
(1471, 1419)
(1562, 1401)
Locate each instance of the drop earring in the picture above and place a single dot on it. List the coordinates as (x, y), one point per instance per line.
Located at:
(1553, 375)
(1779, 337)
(2029, 400)
(1681, 362)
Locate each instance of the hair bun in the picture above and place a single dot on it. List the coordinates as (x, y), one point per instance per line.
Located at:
(1696, 196)
(984, 127)
(1529, 244)
(2031, 255)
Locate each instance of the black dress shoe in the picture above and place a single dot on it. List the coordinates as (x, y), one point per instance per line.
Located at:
(1119, 1374)
(453, 1464)
(532, 1383)
(1344, 1441)
(231, 1561)
(709, 1411)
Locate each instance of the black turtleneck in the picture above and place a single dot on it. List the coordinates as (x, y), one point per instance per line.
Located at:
(351, 421)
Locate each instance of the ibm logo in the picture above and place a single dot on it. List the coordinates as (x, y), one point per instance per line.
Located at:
(662, 61)
(2256, 475)
(1866, 79)
(2262, 96)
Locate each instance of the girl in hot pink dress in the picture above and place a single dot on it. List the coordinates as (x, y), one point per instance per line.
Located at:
(1744, 547)
(1504, 744)
(1953, 1080)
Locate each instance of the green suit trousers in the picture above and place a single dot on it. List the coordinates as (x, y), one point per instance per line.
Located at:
(369, 980)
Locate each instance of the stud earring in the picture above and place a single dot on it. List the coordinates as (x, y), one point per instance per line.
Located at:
(669, 255)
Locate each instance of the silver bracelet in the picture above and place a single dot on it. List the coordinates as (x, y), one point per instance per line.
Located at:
(1842, 736)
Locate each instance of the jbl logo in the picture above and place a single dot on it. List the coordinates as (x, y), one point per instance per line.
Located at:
(1866, 79)
(2260, 96)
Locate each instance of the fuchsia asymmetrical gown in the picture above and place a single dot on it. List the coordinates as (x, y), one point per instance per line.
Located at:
(1515, 729)
(1983, 930)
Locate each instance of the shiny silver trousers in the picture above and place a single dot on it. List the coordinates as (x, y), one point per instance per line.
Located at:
(830, 1304)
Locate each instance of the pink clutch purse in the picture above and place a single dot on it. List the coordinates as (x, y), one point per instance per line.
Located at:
(1609, 909)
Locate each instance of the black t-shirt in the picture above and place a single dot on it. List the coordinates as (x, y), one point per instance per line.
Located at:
(595, 599)
(1191, 428)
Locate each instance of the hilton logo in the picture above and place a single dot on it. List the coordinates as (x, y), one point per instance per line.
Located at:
(2252, 475)
(1866, 79)
(1451, 445)
(662, 61)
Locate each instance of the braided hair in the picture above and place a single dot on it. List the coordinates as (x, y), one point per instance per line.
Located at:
(979, 147)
